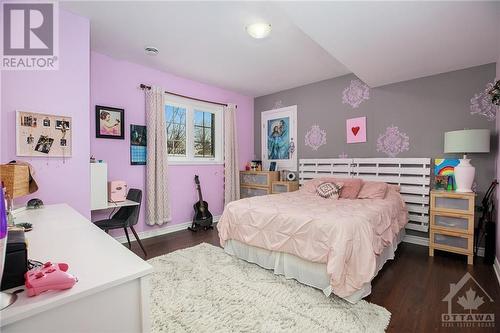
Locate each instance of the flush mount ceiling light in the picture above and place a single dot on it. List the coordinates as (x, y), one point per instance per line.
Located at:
(259, 30)
(151, 50)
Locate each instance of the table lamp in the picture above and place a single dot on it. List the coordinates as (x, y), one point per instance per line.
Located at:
(463, 142)
(15, 179)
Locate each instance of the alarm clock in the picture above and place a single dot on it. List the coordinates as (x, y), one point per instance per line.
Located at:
(290, 176)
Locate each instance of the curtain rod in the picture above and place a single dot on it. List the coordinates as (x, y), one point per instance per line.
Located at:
(145, 87)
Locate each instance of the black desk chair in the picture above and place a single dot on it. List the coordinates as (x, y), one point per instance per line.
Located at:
(125, 217)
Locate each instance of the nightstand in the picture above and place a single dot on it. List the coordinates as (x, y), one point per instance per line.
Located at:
(283, 186)
(452, 223)
(255, 183)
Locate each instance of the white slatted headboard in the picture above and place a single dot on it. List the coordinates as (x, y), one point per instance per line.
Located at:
(412, 174)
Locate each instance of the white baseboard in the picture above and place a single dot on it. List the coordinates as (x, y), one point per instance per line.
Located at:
(424, 241)
(160, 231)
(496, 267)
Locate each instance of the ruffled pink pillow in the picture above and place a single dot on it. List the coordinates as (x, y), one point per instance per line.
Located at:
(373, 190)
(350, 189)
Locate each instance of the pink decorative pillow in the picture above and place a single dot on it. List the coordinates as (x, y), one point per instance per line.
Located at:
(350, 189)
(393, 187)
(329, 190)
(373, 190)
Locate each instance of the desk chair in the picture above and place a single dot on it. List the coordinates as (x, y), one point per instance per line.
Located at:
(125, 217)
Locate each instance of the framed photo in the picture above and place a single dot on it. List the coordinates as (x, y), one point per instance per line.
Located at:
(138, 144)
(109, 122)
(278, 140)
(272, 166)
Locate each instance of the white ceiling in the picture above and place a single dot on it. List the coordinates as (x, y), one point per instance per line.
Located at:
(388, 42)
(207, 42)
(380, 42)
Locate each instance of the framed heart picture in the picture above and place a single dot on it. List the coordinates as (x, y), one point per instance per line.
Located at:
(356, 130)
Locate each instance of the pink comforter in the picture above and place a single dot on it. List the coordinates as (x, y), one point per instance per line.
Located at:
(346, 235)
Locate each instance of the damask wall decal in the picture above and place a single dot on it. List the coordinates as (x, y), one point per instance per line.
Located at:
(393, 142)
(481, 104)
(278, 105)
(356, 93)
(315, 137)
(343, 155)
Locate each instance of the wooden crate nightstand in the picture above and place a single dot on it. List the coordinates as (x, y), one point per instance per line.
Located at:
(284, 186)
(452, 223)
(254, 183)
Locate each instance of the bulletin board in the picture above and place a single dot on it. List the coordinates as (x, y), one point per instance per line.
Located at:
(46, 135)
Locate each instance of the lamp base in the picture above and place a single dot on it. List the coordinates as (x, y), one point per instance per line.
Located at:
(7, 299)
(464, 176)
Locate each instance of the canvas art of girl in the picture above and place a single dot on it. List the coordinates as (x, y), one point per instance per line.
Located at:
(278, 141)
(109, 126)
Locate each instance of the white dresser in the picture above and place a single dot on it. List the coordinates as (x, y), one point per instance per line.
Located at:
(112, 293)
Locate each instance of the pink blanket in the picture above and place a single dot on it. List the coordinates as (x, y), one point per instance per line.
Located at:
(346, 235)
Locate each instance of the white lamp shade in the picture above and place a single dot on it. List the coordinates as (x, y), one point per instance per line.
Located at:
(467, 141)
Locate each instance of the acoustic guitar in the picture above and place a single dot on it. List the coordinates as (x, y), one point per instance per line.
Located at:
(202, 216)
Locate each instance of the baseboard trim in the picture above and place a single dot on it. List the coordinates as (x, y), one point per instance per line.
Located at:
(496, 268)
(424, 241)
(160, 231)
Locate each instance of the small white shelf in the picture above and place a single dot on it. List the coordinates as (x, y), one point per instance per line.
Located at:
(110, 205)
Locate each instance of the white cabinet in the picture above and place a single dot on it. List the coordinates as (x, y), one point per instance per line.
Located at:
(98, 186)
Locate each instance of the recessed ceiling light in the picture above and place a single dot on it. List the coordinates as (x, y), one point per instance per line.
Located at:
(151, 50)
(259, 30)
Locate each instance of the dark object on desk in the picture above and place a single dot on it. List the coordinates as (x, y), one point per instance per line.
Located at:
(16, 260)
(26, 226)
(486, 225)
(126, 217)
(202, 216)
(34, 203)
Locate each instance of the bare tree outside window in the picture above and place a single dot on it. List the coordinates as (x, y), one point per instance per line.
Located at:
(176, 130)
(204, 134)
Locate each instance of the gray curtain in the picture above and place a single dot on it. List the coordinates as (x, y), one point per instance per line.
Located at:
(157, 201)
(231, 162)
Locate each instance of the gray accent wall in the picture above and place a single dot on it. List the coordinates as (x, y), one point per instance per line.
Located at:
(423, 108)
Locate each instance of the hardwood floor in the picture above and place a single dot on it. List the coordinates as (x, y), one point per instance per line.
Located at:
(411, 287)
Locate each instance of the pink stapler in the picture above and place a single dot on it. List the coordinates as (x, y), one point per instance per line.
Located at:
(48, 277)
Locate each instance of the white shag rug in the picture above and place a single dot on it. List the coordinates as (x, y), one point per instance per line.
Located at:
(204, 289)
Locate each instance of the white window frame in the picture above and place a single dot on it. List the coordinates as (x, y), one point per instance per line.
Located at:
(190, 106)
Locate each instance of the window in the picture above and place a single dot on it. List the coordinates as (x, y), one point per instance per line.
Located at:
(194, 131)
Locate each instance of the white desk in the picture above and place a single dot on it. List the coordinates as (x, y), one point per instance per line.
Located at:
(117, 205)
(112, 292)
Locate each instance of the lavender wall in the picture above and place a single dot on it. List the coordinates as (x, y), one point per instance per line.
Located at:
(498, 169)
(115, 83)
(63, 92)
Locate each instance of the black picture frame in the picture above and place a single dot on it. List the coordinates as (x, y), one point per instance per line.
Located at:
(272, 166)
(138, 144)
(116, 126)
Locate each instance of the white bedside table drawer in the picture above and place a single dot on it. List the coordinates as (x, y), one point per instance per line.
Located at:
(453, 222)
(452, 202)
(247, 192)
(458, 243)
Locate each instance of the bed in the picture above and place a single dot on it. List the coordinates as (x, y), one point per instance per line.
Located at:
(337, 246)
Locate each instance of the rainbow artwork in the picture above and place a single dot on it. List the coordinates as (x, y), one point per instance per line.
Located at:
(445, 166)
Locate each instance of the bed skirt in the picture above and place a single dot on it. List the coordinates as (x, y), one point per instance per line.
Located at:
(306, 272)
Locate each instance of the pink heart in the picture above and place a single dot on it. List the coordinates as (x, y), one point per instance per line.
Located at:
(355, 130)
